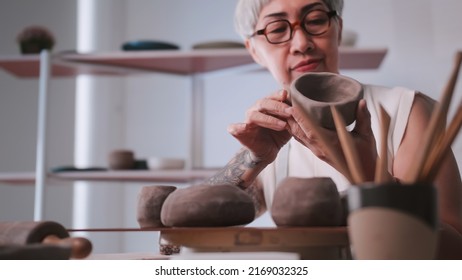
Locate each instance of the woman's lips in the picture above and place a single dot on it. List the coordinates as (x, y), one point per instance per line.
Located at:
(306, 66)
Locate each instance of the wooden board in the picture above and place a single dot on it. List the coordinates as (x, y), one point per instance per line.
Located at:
(308, 243)
(249, 236)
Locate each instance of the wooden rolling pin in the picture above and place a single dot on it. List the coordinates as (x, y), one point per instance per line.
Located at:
(46, 232)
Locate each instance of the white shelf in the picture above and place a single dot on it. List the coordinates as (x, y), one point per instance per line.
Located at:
(17, 178)
(361, 59)
(28, 66)
(174, 62)
(158, 176)
(161, 176)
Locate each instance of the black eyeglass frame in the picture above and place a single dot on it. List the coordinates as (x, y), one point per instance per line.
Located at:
(329, 14)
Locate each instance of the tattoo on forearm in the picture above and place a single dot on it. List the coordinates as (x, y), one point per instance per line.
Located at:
(233, 171)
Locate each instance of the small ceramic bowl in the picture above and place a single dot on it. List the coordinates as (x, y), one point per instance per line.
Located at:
(157, 163)
(314, 93)
(143, 45)
(121, 159)
(219, 45)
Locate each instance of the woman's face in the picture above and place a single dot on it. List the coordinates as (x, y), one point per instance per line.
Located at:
(304, 52)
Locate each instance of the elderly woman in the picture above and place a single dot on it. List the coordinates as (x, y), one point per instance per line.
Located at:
(290, 38)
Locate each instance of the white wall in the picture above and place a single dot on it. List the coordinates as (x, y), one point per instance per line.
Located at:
(18, 110)
(422, 36)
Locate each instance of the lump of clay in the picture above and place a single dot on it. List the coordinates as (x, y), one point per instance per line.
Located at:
(208, 206)
(150, 201)
(307, 202)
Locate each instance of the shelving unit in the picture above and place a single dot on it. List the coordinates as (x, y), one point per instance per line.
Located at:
(175, 62)
(159, 176)
(17, 178)
(195, 63)
(206, 61)
(28, 66)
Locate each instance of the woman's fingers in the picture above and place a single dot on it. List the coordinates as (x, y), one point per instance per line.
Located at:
(271, 106)
(270, 112)
(266, 121)
(301, 120)
(281, 96)
(296, 131)
(306, 135)
(300, 128)
(237, 129)
(264, 131)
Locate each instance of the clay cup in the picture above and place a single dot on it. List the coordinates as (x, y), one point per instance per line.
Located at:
(314, 93)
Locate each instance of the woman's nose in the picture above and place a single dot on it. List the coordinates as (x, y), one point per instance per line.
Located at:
(301, 41)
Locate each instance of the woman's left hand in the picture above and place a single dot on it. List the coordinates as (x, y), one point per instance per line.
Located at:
(362, 135)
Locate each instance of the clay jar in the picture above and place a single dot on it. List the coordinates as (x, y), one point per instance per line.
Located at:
(150, 202)
(208, 206)
(121, 159)
(393, 221)
(307, 202)
(34, 39)
(314, 93)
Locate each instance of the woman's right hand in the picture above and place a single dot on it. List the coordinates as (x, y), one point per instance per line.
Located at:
(264, 131)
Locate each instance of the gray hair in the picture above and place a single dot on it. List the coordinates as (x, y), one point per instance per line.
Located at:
(247, 12)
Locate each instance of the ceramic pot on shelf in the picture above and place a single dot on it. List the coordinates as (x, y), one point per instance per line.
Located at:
(121, 159)
(34, 39)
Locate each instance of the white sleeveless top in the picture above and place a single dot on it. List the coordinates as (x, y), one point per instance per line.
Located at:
(296, 160)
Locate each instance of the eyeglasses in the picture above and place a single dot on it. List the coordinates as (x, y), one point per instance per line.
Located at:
(315, 23)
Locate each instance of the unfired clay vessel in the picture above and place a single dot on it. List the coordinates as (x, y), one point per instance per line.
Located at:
(150, 201)
(307, 202)
(121, 159)
(219, 45)
(208, 206)
(314, 93)
(393, 221)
